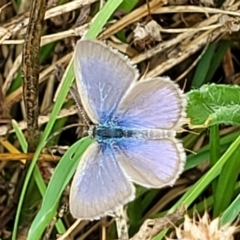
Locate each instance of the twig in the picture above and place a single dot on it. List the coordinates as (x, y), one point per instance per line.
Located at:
(30, 69)
(68, 232)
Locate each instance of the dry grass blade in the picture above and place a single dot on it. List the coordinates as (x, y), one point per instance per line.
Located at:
(16, 95)
(179, 39)
(26, 156)
(41, 120)
(131, 18)
(20, 22)
(191, 9)
(53, 37)
(185, 52)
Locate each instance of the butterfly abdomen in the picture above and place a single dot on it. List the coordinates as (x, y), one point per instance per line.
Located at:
(153, 134)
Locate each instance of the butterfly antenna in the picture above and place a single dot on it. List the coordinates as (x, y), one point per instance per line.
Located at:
(61, 130)
(77, 100)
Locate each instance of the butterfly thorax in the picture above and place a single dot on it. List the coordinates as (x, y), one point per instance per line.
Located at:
(102, 133)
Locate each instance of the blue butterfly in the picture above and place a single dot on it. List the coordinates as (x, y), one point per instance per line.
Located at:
(135, 128)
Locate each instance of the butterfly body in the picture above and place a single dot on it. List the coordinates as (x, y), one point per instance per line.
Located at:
(104, 133)
(135, 127)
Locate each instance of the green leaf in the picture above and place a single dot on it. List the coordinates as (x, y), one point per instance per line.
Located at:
(214, 104)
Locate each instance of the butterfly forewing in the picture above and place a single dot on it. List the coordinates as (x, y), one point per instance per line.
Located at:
(103, 76)
(99, 185)
(152, 104)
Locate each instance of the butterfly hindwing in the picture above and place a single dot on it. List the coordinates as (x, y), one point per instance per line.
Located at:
(99, 185)
(152, 163)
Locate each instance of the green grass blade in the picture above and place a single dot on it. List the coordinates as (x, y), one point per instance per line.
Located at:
(229, 215)
(203, 66)
(226, 183)
(102, 17)
(232, 212)
(161, 235)
(191, 195)
(36, 173)
(209, 63)
(21, 138)
(128, 5)
(63, 93)
(220, 51)
(214, 152)
(60, 179)
(203, 154)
